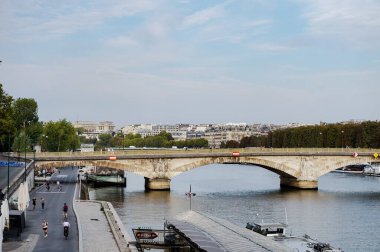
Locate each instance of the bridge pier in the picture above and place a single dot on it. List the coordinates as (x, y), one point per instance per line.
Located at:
(157, 184)
(298, 184)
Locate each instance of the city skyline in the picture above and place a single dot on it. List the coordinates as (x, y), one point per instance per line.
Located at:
(169, 62)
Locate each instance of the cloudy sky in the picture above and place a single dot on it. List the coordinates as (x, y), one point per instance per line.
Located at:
(164, 61)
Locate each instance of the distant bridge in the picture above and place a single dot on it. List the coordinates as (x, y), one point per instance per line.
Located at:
(298, 168)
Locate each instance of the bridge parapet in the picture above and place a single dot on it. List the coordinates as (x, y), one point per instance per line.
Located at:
(296, 169)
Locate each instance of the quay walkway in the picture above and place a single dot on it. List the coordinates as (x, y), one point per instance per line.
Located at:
(94, 226)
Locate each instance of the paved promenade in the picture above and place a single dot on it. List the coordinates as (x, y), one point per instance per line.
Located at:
(99, 230)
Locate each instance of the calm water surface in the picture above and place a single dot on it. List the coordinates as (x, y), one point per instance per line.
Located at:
(345, 211)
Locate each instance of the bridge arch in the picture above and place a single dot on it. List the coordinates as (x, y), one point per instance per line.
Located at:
(299, 170)
(280, 169)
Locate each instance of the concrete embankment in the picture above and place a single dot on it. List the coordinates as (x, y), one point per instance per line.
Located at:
(100, 227)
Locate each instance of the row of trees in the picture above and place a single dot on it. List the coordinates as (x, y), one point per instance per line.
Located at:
(20, 128)
(363, 135)
(163, 140)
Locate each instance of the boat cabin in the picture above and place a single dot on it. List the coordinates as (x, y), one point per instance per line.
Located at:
(268, 229)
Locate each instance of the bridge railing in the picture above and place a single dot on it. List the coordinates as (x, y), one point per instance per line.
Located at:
(141, 151)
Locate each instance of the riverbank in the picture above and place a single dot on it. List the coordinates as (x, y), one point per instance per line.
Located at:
(100, 227)
(95, 225)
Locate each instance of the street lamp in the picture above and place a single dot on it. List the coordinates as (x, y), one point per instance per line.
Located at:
(342, 139)
(321, 134)
(9, 153)
(24, 151)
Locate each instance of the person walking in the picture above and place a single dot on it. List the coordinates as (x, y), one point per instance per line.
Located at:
(34, 202)
(42, 202)
(65, 210)
(45, 227)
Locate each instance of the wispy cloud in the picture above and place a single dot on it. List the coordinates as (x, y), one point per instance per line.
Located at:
(270, 47)
(203, 16)
(350, 21)
(121, 41)
(67, 17)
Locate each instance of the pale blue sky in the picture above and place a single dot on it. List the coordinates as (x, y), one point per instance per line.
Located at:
(158, 61)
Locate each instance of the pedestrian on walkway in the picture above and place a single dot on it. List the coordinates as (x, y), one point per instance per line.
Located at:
(34, 202)
(45, 227)
(42, 202)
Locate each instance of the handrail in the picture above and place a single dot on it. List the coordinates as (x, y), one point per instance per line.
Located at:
(141, 151)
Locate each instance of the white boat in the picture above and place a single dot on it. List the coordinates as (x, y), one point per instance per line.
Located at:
(356, 168)
(372, 170)
(297, 243)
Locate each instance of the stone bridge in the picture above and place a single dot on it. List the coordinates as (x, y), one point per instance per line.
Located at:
(296, 169)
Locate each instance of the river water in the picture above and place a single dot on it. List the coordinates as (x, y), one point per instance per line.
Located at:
(344, 211)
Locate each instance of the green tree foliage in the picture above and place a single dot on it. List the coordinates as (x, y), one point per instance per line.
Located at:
(25, 112)
(34, 132)
(6, 119)
(163, 140)
(22, 143)
(59, 136)
(192, 143)
(232, 144)
(363, 135)
(105, 141)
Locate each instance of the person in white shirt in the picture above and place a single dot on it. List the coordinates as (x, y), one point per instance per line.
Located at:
(66, 226)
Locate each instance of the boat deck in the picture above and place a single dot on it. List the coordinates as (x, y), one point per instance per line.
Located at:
(209, 233)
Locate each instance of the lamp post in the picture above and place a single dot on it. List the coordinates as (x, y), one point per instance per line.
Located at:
(321, 134)
(24, 151)
(342, 139)
(9, 153)
(18, 148)
(123, 139)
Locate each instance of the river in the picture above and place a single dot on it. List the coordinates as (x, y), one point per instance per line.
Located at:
(344, 211)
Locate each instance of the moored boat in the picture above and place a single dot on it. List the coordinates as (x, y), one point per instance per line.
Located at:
(356, 168)
(298, 243)
(372, 170)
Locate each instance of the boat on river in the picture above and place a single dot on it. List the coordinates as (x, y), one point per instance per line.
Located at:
(299, 243)
(372, 170)
(355, 168)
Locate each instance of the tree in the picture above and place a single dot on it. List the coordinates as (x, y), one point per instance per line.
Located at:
(25, 112)
(104, 140)
(34, 132)
(166, 135)
(59, 136)
(6, 118)
(232, 144)
(22, 143)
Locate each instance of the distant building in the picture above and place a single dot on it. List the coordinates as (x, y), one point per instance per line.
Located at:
(94, 129)
(87, 148)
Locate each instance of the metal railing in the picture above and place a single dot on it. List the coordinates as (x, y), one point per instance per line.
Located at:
(141, 151)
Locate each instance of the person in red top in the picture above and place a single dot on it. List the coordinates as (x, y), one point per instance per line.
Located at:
(65, 209)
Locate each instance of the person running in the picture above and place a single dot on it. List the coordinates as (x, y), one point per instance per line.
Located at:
(42, 202)
(34, 202)
(45, 227)
(65, 210)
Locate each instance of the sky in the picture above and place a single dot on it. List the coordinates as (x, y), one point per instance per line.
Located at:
(199, 61)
